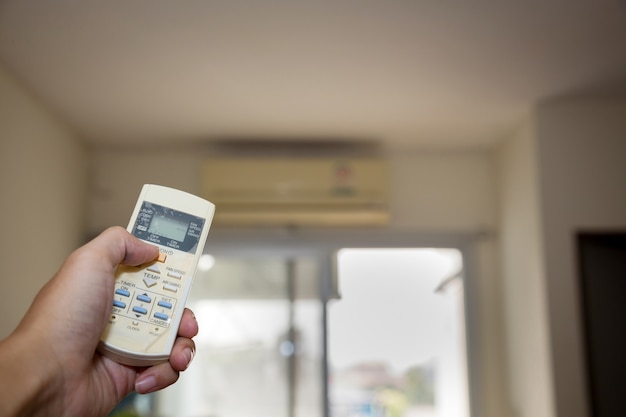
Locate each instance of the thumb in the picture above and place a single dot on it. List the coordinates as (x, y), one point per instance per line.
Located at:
(120, 247)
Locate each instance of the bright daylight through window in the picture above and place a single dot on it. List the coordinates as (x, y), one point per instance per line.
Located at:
(395, 338)
(396, 335)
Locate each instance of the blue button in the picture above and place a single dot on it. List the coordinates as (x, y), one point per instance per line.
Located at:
(165, 304)
(161, 316)
(144, 298)
(120, 291)
(119, 304)
(140, 310)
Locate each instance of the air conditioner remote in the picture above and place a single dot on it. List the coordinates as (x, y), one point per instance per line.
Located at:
(149, 300)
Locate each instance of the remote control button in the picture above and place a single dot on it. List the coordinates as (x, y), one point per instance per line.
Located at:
(140, 310)
(162, 257)
(154, 268)
(165, 304)
(161, 316)
(120, 291)
(119, 304)
(170, 287)
(149, 281)
(144, 297)
(174, 275)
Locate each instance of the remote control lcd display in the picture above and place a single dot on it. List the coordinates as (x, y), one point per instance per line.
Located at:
(168, 227)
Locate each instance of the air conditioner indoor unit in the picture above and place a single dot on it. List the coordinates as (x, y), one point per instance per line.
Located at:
(297, 191)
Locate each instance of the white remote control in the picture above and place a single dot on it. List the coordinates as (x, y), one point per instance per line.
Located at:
(149, 300)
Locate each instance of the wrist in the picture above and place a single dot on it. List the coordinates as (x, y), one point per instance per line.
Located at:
(31, 377)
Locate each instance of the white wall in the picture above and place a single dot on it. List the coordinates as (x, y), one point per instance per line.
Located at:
(522, 264)
(43, 170)
(582, 166)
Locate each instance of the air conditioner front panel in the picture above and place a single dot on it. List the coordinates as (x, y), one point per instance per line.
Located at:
(297, 191)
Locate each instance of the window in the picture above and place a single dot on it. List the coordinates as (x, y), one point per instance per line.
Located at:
(282, 336)
(396, 335)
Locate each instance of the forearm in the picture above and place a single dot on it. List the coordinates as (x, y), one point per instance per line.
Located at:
(28, 380)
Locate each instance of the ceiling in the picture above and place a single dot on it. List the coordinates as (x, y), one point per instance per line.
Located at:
(439, 73)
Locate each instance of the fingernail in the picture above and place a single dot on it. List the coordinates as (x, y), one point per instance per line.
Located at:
(146, 385)
(189, 354)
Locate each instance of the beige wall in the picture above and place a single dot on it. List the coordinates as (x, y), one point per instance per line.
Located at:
(522, 264)
(43, 172)
(444, 191)
(119, 173)
(562, 172)
(582, 154)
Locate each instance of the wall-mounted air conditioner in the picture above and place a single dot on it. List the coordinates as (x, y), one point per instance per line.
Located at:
(297, 191)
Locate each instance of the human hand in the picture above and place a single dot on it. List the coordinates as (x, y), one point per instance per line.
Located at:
(52, 353)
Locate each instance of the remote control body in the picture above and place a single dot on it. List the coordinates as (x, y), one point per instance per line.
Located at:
(149, 299)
